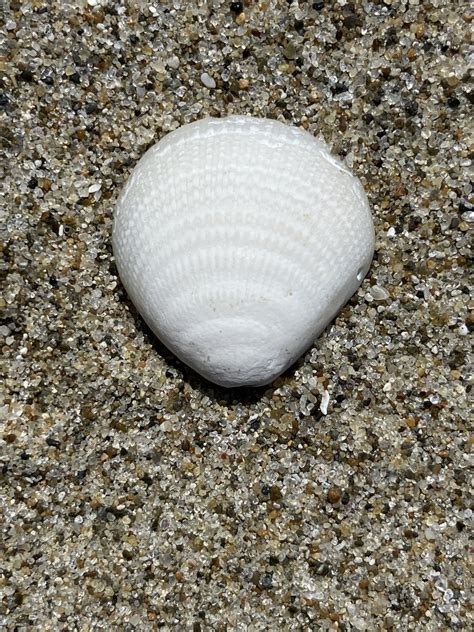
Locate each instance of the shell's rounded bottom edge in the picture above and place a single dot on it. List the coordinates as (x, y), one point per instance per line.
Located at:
(232, 351)
(244, 383)
(227, 376)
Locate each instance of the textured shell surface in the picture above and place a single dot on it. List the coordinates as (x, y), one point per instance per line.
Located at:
(238, 240)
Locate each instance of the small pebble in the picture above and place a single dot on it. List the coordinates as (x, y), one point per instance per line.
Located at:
(334, 495)
(275, 493)
(379, 293)
(208, 81)
(173, 62)
(290, 51)
(323, 407)
(236, 7)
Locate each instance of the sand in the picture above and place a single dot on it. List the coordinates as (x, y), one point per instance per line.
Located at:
(134, 495)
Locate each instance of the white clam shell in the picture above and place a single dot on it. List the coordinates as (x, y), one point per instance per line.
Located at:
(238, 240)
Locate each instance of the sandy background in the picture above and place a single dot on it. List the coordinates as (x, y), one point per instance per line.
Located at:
(133, 495)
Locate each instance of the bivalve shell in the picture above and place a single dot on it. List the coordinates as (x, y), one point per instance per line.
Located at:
(238, 240)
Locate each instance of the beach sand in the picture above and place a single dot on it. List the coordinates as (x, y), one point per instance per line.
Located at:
(135, 496)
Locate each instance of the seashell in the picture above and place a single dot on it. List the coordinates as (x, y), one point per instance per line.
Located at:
(238, 240)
